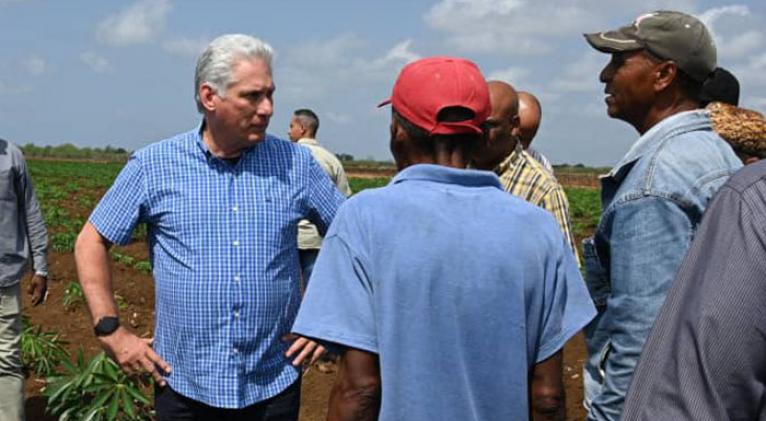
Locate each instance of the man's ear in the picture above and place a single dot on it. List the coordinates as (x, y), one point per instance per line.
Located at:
(208, 97)
(665, 73)
(516, 125)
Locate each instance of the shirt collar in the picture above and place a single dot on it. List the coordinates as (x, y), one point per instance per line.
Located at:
(308, 141)
(511, 161)
(447, 175)
(676, 124)
(197, 134)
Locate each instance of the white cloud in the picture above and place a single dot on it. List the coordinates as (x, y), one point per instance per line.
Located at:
(710, 16)
(582, 75)
(527, 27)
(139, 23)
(34, 65)
(96, 62)
(186, 46)
(514, 75)
(315, 68)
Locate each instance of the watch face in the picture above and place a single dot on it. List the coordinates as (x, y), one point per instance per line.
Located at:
(106, 326)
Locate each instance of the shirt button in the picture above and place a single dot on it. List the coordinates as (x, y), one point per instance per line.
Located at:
(235, 243)
(234, 208)
(237, 278)
(235, 351)
(236, 314)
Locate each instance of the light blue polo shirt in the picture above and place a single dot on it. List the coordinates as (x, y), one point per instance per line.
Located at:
(458, 286)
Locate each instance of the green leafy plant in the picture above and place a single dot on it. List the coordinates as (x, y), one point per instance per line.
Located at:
(97, 390)
(63, 241)
(41, 351)
(143, 266)
(120, 301)
(73, 295)
(123, 258)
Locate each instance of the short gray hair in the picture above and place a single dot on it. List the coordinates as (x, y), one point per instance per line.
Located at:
(216, 64)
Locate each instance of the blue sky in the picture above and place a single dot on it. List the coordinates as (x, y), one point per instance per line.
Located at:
(120, 73)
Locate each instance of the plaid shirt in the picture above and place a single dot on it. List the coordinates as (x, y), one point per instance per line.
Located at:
(223, 247)
(523, 176)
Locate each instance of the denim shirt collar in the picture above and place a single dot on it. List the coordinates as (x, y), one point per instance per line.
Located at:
(447, 175)
(676, 124)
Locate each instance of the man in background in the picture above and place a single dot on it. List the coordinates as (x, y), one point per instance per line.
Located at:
(450, 299)
(23, 238)
(530, 116)
(519, 173)
(654, 198)
(303, 129)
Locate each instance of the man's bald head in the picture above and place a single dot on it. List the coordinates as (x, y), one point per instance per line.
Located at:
(504, 99)
(530, 115)
(502, 125)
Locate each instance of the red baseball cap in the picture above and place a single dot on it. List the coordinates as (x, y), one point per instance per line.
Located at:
(427, 86)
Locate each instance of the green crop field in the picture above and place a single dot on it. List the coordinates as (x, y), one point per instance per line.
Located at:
(66, 371)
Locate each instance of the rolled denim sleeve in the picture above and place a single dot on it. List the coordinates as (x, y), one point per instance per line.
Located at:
(649, 238)
(38, 235)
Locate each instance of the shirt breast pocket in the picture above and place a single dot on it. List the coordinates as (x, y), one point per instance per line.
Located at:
(596, 278)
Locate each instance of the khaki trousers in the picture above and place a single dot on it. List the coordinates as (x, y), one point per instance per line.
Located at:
(11, 376)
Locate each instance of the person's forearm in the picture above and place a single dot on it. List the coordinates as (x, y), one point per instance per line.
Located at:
(92, 258)
(546, 390)
(360, 404)
(36, 232)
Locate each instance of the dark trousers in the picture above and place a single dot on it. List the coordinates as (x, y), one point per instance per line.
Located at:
(170, 406)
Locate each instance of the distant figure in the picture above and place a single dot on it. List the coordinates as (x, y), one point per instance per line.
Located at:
(450, 298)
(721, 86)
(23, 239)
(705, 358)
(222, 203)
(654, 197)
(519, 173)
(530, 115)
(303, 129)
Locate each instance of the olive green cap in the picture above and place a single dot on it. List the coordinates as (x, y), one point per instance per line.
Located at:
(666, 34)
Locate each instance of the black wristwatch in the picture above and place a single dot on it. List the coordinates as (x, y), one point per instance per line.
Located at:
(106, 326)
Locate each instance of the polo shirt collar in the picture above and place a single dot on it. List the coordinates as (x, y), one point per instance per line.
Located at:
(447, 175)
(308, 141)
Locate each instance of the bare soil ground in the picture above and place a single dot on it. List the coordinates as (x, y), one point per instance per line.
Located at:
(137, 291)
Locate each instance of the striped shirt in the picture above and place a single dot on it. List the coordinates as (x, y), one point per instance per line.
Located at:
(705, 358)
(522, 176)
(222, 241)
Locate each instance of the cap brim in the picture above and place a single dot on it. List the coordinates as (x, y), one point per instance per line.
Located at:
(384, 103)
(612, 42)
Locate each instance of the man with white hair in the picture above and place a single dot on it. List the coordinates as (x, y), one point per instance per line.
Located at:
(222, 204)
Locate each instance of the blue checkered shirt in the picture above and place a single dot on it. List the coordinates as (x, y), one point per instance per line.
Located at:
(222, 241)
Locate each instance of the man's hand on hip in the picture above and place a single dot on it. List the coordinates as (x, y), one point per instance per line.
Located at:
(135, 355)
(305, 348)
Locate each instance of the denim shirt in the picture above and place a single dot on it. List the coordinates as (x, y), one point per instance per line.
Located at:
(653, 200)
